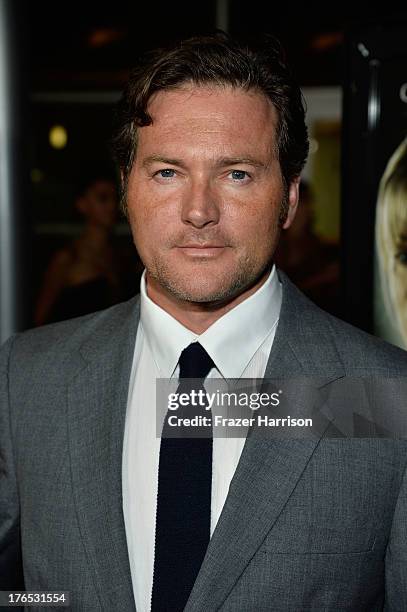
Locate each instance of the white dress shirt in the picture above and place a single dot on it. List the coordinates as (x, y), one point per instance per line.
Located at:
(239, 343)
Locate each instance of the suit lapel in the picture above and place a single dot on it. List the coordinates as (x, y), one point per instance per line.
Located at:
(97, 400)
(268, 470)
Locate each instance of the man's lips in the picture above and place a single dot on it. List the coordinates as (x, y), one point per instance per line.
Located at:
(200, 245)
(196, 249)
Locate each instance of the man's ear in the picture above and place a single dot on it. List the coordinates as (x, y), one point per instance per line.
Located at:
(293, 191)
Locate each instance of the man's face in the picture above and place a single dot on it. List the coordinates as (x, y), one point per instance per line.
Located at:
(205, 192)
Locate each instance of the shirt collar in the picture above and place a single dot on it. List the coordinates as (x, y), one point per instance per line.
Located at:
(231, 341)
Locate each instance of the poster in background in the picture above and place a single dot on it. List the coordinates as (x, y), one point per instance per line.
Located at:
(374, 193)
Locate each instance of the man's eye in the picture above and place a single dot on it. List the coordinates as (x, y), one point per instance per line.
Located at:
(166, 173)
(402, 257)
(239, 175)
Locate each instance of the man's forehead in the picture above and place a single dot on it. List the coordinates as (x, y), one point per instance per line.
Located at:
(210, 121)
(209, 99)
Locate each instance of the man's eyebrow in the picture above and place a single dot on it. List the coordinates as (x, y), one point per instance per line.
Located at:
(151, 159)
(235, 161)
(222, 162)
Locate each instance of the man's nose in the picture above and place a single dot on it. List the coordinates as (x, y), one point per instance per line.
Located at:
(200, 206)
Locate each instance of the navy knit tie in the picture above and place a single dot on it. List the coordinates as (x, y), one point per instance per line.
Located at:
(184, 495)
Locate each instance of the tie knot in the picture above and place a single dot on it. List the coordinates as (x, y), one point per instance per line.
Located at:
(194, 362)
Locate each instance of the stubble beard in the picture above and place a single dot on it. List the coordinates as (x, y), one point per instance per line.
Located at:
(245, 275)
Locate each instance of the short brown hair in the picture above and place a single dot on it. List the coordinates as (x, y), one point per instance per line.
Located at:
(216, 60)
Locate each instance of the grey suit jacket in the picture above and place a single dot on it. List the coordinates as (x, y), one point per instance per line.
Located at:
(308, 524)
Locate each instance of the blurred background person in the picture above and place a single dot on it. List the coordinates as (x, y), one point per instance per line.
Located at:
(311, 263)
(83, 276)
(391, 248)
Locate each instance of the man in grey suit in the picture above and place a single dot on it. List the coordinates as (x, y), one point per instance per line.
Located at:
(211, 143)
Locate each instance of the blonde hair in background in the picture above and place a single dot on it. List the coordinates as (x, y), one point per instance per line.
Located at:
(391, 225)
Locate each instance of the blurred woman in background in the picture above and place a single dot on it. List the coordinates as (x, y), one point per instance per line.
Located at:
(391, 241)
(82, 277)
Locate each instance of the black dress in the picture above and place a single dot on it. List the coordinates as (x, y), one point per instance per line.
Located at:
(81, 299)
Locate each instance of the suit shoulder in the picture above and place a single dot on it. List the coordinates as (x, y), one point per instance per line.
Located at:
(328, 338)
(361, 351)
(59, 339)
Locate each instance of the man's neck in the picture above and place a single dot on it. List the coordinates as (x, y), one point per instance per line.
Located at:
(197, 316)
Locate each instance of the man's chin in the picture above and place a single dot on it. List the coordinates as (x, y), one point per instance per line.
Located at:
(214, 287)
(212, 294)
(201, 296)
